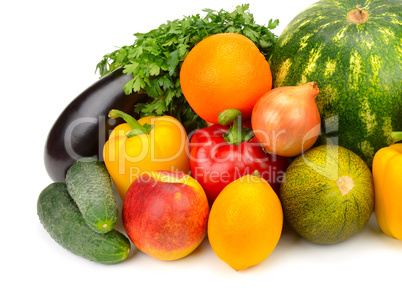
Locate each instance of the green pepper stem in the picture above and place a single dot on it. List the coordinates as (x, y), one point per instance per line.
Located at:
(236, 133)
(228, 116)
(136, 127)
(396, 136)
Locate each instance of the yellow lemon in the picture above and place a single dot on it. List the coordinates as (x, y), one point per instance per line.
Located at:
(245, 222)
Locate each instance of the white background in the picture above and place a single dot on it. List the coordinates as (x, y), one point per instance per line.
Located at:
(49, 50)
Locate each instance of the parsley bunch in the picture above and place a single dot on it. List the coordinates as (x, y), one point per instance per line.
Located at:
(155, 58)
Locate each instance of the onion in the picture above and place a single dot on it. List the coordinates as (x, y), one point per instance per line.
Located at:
(286, 120)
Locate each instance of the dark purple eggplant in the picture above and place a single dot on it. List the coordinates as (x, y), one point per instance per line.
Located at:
(83, 127)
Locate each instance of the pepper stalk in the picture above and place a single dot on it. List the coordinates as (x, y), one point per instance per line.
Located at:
(237, 133)
(396, 136)
(136, 128)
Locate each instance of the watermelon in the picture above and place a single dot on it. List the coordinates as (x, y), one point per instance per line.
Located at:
(353, 50)
(327, 194)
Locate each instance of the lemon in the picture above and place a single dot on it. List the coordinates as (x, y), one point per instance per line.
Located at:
(245, 222)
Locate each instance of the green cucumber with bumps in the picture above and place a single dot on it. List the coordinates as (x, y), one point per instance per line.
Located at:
(62, 219)
(88, 183)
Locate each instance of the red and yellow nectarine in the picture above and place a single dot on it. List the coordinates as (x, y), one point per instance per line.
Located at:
(165, 214)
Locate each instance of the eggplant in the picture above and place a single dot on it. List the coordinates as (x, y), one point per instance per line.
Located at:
(82, 129)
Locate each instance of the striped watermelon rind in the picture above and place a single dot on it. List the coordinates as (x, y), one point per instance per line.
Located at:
(358, 68)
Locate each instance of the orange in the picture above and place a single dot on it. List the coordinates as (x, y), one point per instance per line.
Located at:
(224, 71)
(245, 222)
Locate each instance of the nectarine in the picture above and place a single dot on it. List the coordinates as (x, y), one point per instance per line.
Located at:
(165, 214)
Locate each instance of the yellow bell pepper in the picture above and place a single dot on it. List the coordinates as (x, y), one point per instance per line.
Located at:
(387, 176)
(149, 144)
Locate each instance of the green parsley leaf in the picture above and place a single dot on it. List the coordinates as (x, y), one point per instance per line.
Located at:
(155, 58)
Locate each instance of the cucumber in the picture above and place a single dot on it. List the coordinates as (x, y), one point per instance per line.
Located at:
(64, 222)
(88, 183)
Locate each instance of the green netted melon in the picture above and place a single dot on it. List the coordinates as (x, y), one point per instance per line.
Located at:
(327, 194)
(353, 50)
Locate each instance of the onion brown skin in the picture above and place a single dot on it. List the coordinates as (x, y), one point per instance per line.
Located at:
(286, 120)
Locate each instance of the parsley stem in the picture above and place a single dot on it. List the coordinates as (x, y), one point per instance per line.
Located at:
(136, 127)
